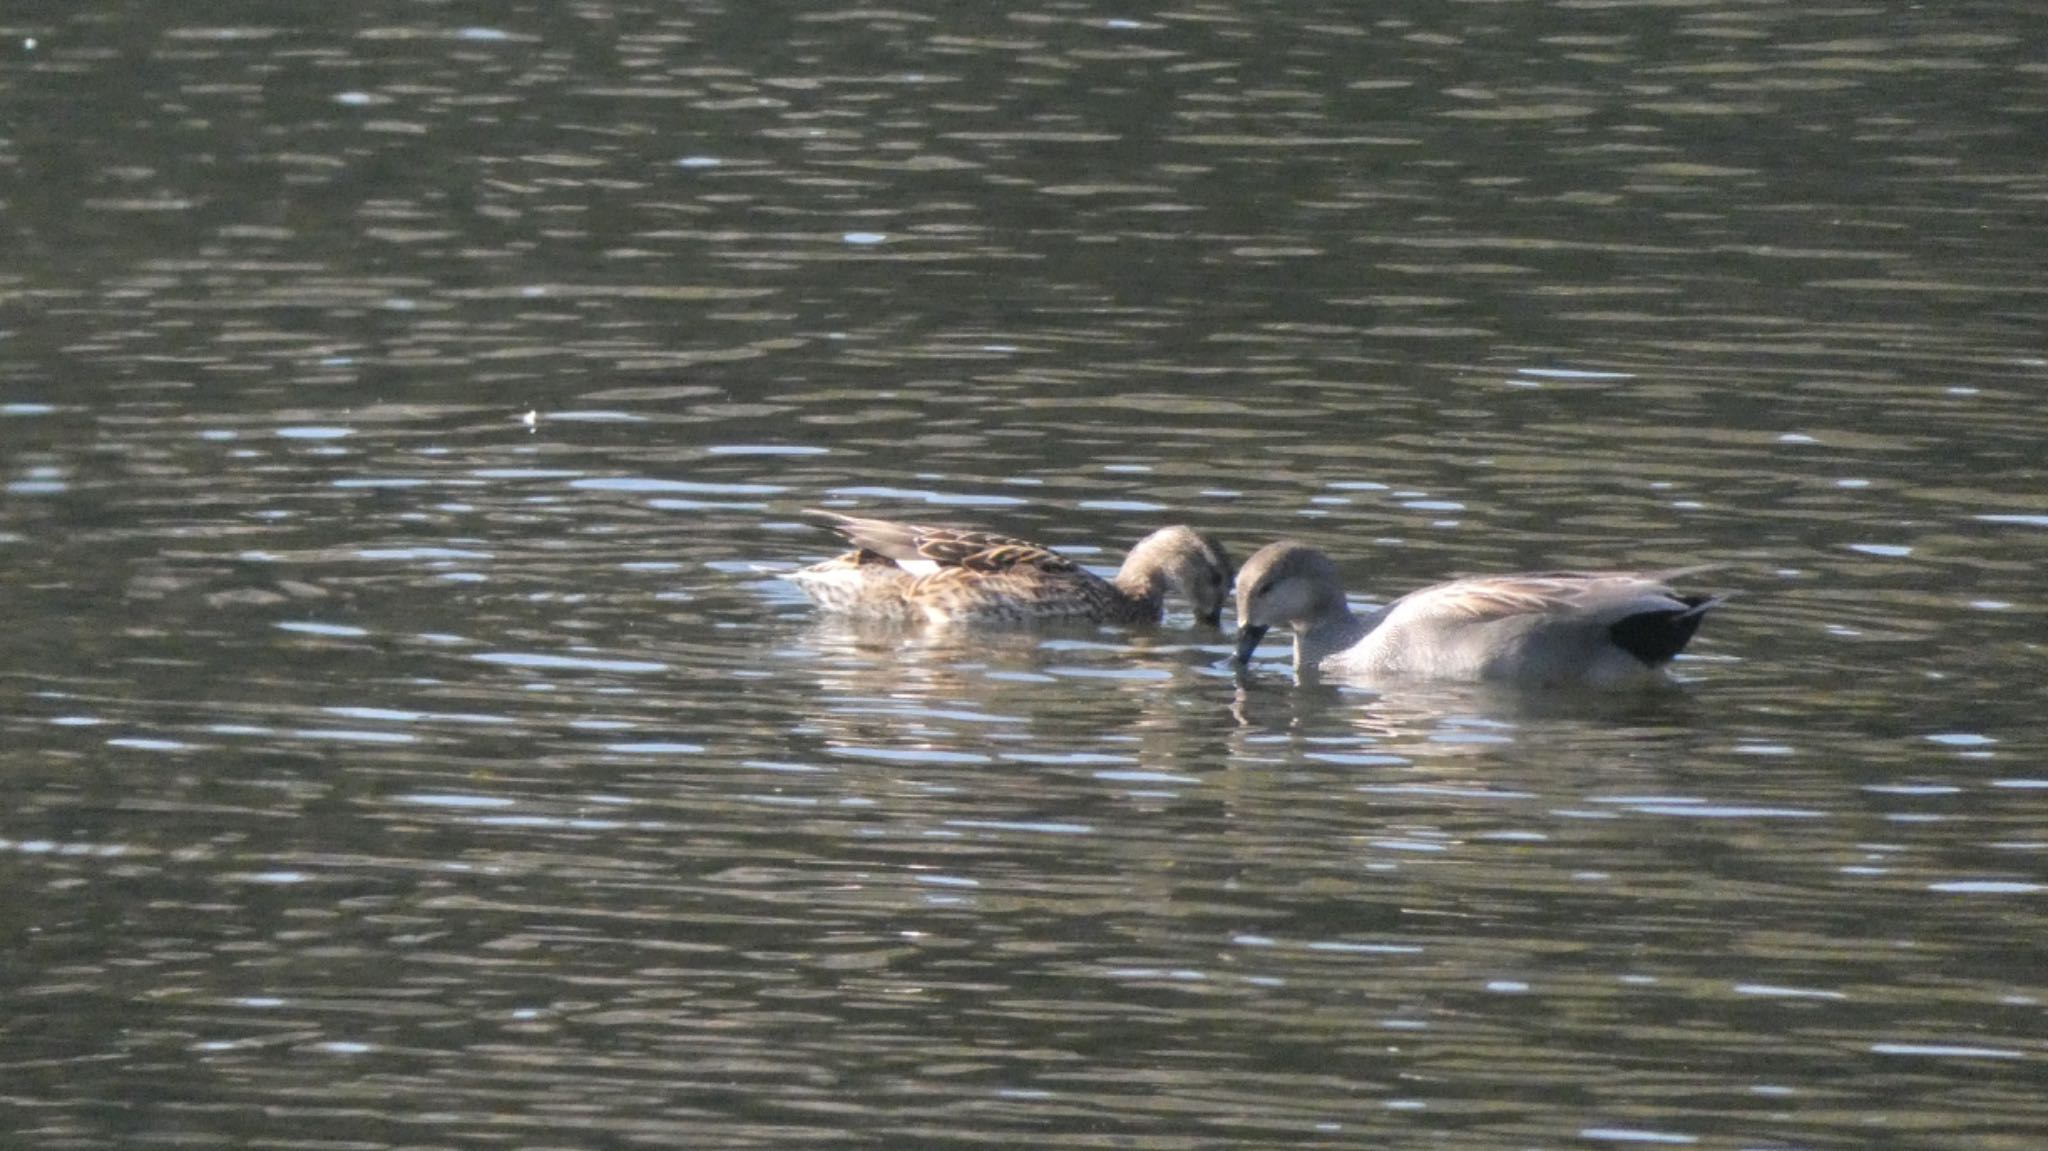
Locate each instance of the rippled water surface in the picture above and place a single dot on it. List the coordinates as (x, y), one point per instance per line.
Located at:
(405, 409)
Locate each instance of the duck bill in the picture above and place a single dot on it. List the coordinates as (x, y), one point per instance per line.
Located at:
(1248, 638)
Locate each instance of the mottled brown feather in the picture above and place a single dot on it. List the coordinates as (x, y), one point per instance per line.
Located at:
(1016, 554)
(945, 546)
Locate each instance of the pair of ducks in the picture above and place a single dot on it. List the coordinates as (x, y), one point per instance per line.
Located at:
(1537, 629)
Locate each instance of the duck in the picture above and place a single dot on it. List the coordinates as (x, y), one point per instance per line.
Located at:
(1537, 629)
(945, 575)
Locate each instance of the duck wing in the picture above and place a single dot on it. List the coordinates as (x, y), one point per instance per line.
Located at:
(1009, 555)
(925, 548)
(1598, 596)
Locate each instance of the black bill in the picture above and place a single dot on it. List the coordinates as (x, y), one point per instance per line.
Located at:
(1247, 642)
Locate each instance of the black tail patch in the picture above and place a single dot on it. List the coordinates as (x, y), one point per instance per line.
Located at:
(1656, 636)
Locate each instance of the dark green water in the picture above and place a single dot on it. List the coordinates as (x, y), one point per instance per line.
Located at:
(380, 767)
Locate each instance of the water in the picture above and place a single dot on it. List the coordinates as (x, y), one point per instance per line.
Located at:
(404, 411)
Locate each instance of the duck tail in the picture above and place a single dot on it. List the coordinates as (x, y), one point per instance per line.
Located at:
(1655, 637)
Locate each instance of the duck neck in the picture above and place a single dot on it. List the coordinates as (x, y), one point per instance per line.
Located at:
(1143, 580)
(1333, 629)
